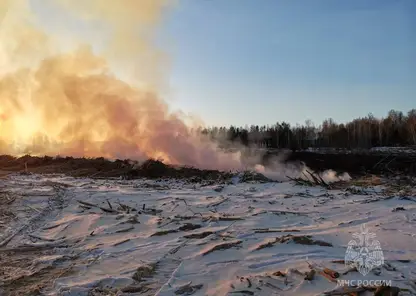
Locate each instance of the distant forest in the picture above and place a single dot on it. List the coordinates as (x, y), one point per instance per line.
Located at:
(397, 129)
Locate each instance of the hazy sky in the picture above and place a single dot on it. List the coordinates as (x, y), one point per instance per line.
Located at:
(261, 61)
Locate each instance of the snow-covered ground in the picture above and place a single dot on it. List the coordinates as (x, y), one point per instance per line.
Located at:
(142, 237)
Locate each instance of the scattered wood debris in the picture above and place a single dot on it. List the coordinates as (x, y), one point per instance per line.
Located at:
(219, 188)
(143, 288)
(222, 246)
(144, 271)
(353, 291)
(271, 230)
(310, 179)
(244, 292)
(268, 244)
(309, 276)
(250, 176)
(121, 242)
(164, 232)
(198, 235)
(185, 227)
(107, 210)
(279, 273)
(350, 291)
(228, 218)
(386, 291)
(124, 229)
(327, 273)
(189, 227)
(303, 240)
(188, 289)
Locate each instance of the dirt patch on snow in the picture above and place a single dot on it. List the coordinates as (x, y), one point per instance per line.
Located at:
(101, 168)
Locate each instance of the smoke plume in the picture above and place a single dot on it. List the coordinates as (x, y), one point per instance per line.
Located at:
(89, 83)
(72, 102)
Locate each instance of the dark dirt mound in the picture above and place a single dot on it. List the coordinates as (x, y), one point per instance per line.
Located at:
(157, 169)
(78, 167)
(103, 168)
(353, 163)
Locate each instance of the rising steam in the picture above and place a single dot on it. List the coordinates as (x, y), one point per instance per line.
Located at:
(71, 103)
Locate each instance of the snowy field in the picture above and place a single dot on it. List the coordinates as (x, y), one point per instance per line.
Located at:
(67, 236)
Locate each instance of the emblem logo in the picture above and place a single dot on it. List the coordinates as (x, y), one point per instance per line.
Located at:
(364, 251)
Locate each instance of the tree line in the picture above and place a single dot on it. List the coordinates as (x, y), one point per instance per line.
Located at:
(397, 129)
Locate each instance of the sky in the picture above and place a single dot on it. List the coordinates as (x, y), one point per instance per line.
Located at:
(237, 62)
(243, 62)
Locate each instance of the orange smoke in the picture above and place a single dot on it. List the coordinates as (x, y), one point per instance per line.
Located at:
(72, 103)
